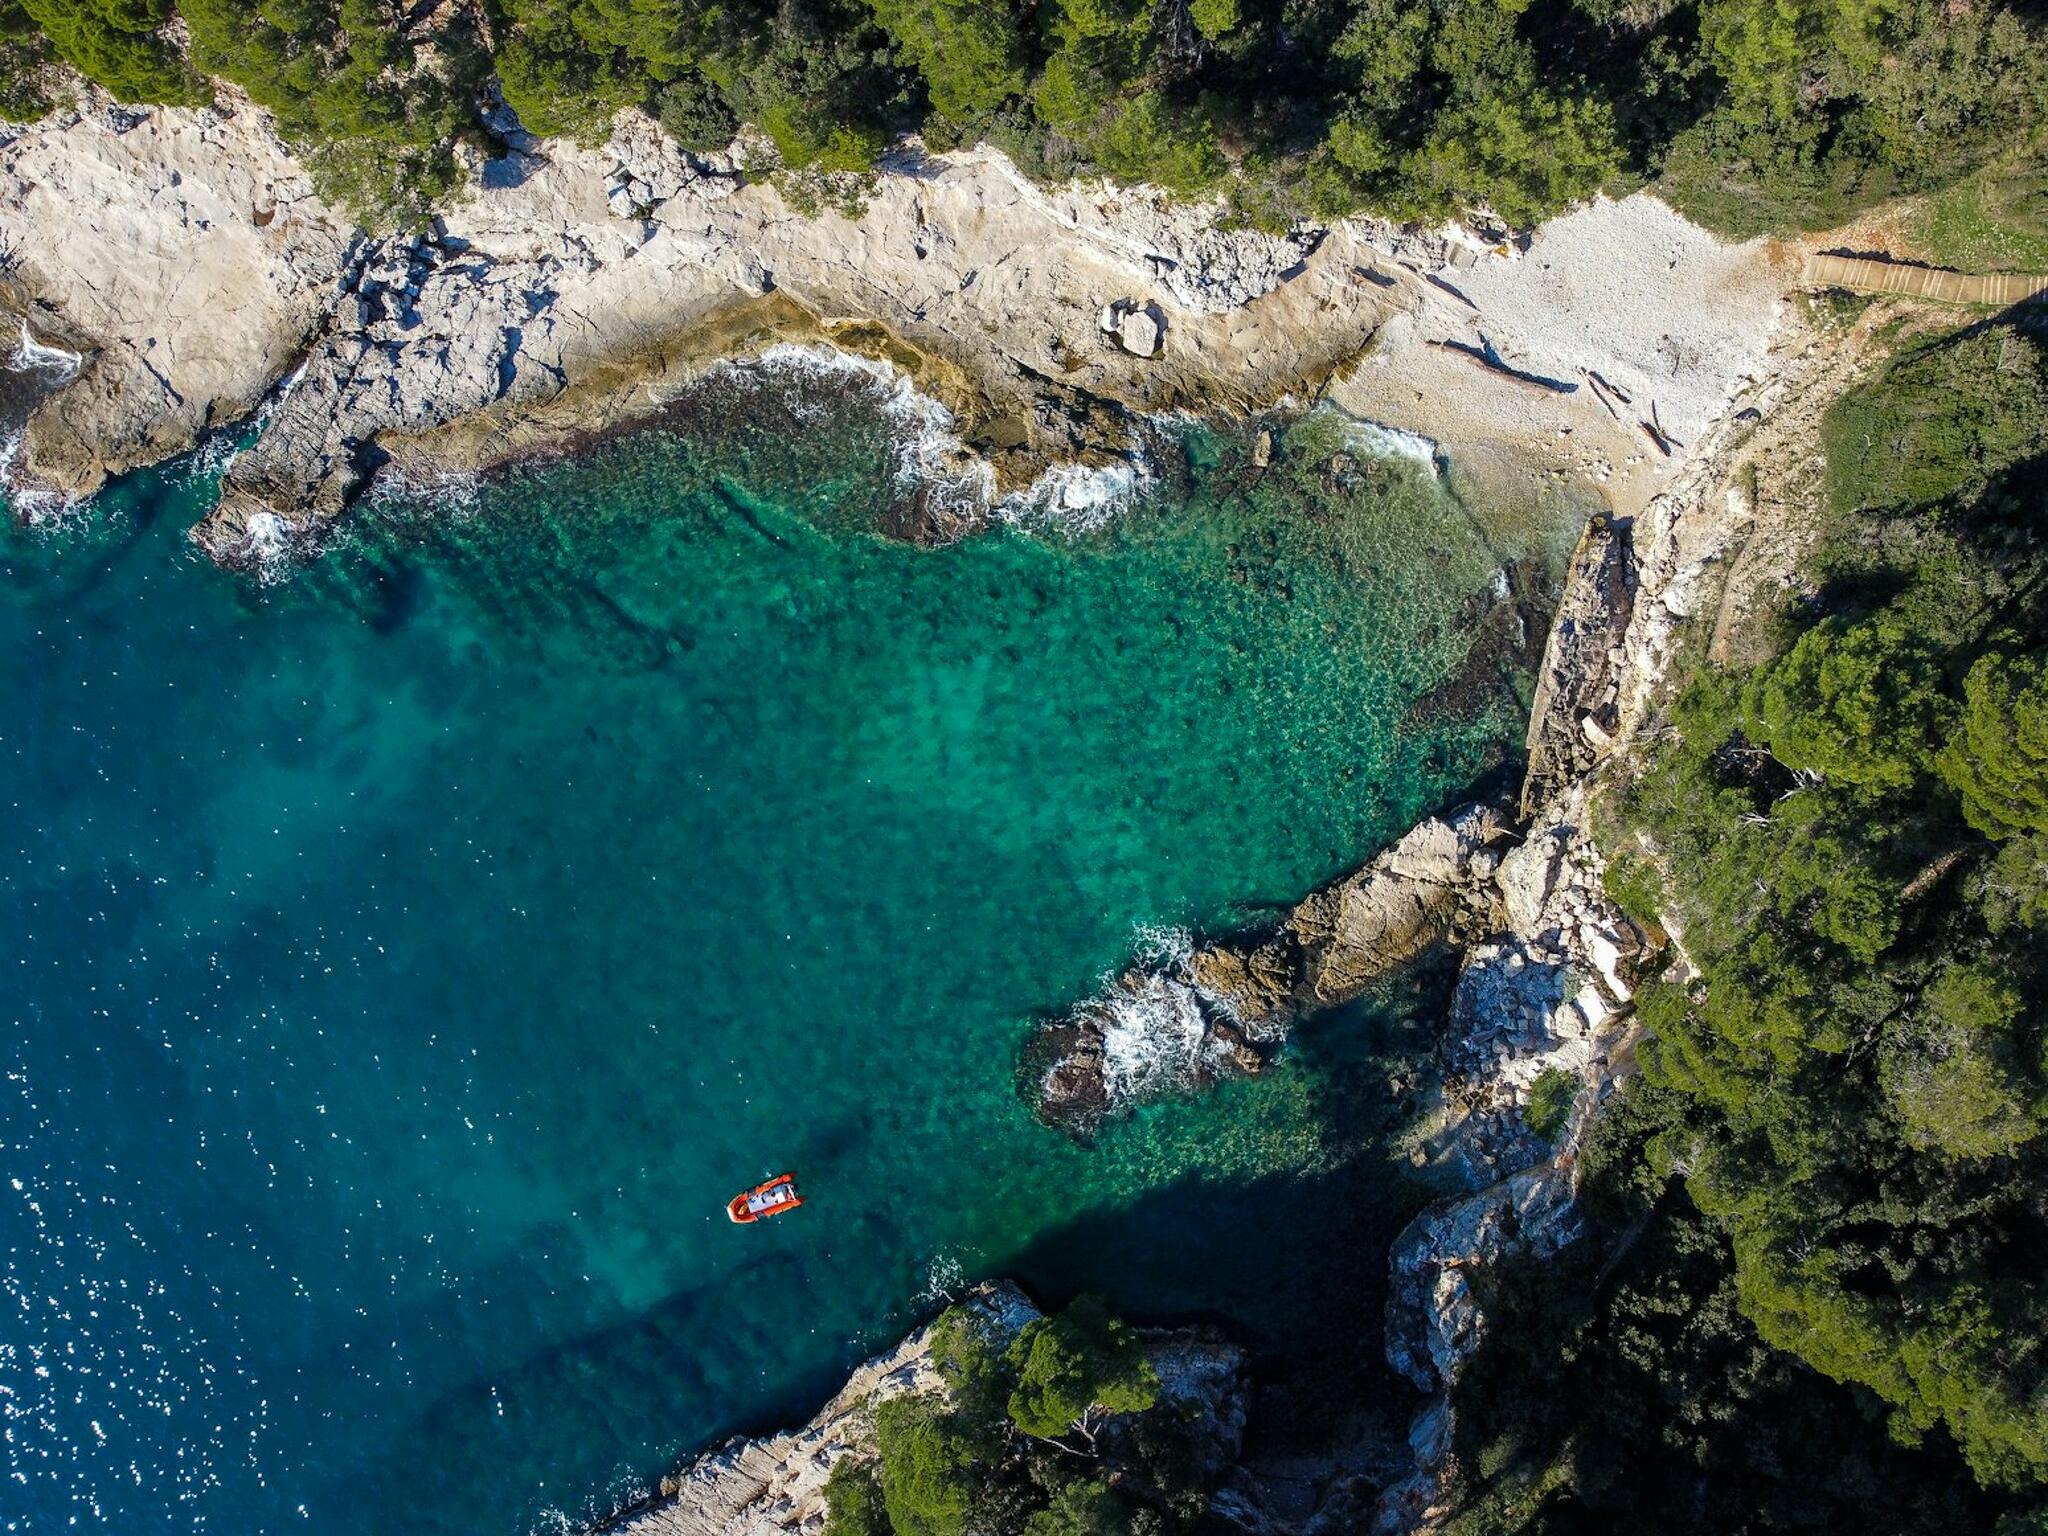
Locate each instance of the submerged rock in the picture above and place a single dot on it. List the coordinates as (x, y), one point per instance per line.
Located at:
(1222, 1010)
(1157, 1029)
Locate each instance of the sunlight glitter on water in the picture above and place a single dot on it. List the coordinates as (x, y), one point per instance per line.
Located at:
(407, 959)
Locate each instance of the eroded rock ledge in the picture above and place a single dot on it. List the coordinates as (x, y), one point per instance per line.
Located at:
(572, 290)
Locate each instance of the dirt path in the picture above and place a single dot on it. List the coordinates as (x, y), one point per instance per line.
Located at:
(1780, 472)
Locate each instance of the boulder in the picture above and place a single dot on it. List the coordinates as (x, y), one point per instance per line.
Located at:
(1528, 874)
(1138, 329)
(1140, 332)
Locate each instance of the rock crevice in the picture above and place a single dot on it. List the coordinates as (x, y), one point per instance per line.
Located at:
(572, 290)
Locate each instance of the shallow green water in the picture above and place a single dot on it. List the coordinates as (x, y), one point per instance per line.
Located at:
(404, 960)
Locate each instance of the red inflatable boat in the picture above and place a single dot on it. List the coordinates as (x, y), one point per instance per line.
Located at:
(771, 1198)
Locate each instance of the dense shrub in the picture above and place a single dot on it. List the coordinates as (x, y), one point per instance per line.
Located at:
(1852, 844)
(1550, 1101)
(25, 59)
(121, 45)
(1755, 114)
(1053, 1435)
(1074, 1365)
(1998, 759)
(853, 1500)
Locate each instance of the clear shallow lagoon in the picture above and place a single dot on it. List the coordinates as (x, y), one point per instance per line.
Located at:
(405, 959)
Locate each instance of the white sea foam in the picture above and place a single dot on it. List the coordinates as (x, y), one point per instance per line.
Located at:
(272, 544)
(53, 368)
(1393, 443)
(453, 493)
(32, 356)
(927, 456)
(1157, 1025)
(1163, 944)
(1076, 499)
(34, 504)
(281, 393)
(925, 451)
(945, 1278)
(1153, 1035)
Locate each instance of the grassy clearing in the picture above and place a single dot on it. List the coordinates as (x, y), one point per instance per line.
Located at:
(1993, 221)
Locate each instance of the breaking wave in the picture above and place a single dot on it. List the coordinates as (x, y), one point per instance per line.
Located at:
(32, 356)
(456, 493)
(926, 456)
(1152, 1031)
(1076, 499)
(41, 369)
(1155, 1036)
(272, 546)
(1393, 443)
(32, 503)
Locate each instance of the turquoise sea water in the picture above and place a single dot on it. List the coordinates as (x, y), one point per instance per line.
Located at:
(405, 959)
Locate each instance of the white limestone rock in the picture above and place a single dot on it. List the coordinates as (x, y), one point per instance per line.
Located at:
(1140, 333)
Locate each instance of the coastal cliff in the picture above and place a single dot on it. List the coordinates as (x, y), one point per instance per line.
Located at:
(573, 290)
(577, 289)
(1547, 961)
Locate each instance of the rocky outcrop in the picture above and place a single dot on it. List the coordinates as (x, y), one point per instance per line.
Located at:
(1550, 991)
(776, 1485)
(1575, 715)
(1197, 1015)
(182, 253)
(1437, 880)
(771, 1486)
(1525, 908)
(575, 289)
(1433, 1318)
(1157, 1029)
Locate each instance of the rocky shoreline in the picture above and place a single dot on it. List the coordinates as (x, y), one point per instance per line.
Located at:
(775, 1485)
(183, 255)
(573, 290)
(1547, 976)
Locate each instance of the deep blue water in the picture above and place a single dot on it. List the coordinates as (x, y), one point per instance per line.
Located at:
(404, 959)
